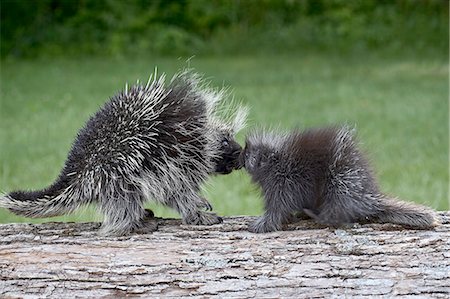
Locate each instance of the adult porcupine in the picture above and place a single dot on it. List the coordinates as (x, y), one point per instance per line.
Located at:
(157, 142)
(322, 173)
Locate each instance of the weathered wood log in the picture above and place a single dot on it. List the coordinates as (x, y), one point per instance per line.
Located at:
(66, 260)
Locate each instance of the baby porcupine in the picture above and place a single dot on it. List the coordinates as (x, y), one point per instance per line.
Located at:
(322, 173)
(150, 142)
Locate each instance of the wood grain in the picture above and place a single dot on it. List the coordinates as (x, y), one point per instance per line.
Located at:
(67, 260)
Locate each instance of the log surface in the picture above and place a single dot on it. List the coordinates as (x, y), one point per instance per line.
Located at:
(67, 260)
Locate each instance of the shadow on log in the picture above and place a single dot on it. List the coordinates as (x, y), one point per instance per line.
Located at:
(67, 260)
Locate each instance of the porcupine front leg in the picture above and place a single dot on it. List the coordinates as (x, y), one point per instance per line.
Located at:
(275, 216)
(201, 202)
(188, 205)
(271, 221)
(204, 204)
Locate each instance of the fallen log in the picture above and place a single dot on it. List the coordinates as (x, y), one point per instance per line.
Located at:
(67, 260)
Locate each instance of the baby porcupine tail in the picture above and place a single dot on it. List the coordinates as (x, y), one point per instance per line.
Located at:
(406, 214)
(58, 199)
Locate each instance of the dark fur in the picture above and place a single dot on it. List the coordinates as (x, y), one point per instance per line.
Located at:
(322, 173)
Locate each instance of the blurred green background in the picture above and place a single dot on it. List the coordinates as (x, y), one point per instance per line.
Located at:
(379, 65)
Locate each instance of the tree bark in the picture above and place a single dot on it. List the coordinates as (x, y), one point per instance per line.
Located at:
(67, 260)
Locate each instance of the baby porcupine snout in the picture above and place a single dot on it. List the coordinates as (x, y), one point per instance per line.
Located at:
(243, 159)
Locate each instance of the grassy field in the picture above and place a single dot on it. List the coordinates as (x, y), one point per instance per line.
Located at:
(399, 106)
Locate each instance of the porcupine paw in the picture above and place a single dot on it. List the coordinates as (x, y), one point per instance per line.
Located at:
(147, 226)
(330, 223)
(203, 218)
(262, 226)
(295, 217)
(204, 204)
(209, 218)
(314, 216)
(300, 215)
(149, 214)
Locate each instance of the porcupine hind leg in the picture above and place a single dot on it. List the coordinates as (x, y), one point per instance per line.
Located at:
(124, 213)
(342, 208)
(331, 213)
(295, 217)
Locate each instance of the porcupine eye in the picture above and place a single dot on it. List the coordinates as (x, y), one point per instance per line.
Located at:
(225, 143)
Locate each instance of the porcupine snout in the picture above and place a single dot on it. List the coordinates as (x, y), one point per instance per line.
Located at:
(229, 158)
(229, 162)
(237, 159)
(241, 159)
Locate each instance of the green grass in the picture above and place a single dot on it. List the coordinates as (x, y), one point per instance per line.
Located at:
(399, 105)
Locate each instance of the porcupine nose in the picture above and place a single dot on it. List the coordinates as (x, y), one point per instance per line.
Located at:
(241, 160)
